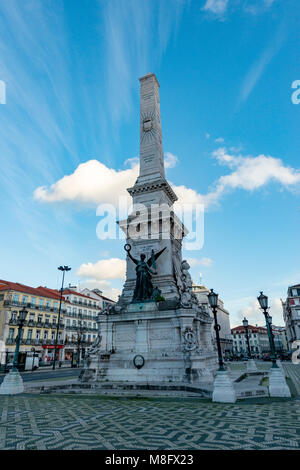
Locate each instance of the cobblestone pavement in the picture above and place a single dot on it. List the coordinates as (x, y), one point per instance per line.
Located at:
(94, 422)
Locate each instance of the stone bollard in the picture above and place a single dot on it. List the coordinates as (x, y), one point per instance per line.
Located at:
(223, 391)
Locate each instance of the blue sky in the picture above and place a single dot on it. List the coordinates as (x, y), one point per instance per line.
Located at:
(225, 69)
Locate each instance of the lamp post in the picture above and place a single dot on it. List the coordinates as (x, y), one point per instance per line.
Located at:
(245, 325)
(251, 366)
(213, 302)
(13, 383)
(21, 321)
(223, 391)
(63, 269)
(263, 302)
(277, 383)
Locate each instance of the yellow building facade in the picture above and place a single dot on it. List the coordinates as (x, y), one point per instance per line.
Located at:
(39, 331)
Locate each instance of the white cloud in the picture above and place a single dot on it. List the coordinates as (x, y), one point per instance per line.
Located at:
(219, 140)
(94, 183)
(207, 262)
(217, 7)
(113, 268)
(255, 316)
(91, 183)
(170, 160)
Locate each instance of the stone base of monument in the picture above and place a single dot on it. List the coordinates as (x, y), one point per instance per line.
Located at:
(251, 366)
(146, 345)
(12, 384)
(223, 391)
(277, 384)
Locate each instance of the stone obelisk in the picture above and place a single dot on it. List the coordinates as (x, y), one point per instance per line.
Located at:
(153, 225)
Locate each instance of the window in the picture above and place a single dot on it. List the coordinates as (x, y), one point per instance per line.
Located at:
(29, 334)
(13, 316)
(40, 318)
(38, 334)
(33, 301)
(68, 321)
(74, 310)
(31, 317)
(47, 319)
(55, 305)
(45, 334)
(48, 303)
(25, 299)
(75, 300)
(16, 298)
(52, 335)
(54, 320)
(41, 302)
(11, 333)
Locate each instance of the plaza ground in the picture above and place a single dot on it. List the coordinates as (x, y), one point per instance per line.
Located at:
(82, 422)
(43, 422)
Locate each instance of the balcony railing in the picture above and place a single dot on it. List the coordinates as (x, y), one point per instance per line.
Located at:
(32, 306)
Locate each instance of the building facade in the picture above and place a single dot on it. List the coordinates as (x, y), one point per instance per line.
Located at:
(39, 332)
(291, 314)
(80, 324)
(258, 339)
(222, 316)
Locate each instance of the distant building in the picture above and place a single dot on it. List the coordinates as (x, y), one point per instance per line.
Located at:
(223, 318)
(39, 332)
(258, 339)
(291, 314)
(280, 339)
(96, 294)
(80, 323)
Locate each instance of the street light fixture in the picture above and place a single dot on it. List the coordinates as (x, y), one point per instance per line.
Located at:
(213, 302)
(64, 269)
(263, 302)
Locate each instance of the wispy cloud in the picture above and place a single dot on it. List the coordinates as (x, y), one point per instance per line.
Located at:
(258, 67)
(137, 34)
(218, 7)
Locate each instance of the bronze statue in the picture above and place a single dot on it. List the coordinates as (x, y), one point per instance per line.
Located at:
(144, 290)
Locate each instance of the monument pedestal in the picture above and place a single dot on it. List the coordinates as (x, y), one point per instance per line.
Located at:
(147, 344)
(251, 366)
(12, 383)
(277, 383)
(223, 388)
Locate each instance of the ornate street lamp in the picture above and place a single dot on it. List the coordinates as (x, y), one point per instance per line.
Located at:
(245, 325)
(20, 321)
(213, 302)
(63, 269)
(263, 302)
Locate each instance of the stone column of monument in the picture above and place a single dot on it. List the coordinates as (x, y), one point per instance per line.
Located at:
(152, 224)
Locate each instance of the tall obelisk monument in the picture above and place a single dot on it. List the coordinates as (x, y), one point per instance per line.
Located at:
(155, 227)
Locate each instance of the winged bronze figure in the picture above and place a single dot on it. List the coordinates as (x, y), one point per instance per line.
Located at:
(143, 287)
